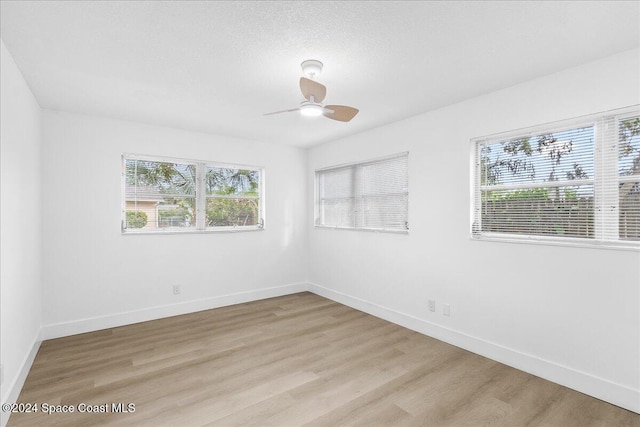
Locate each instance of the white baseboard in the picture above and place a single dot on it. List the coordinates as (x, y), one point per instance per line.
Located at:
(16, 386)
(583, 382)
(58, 330)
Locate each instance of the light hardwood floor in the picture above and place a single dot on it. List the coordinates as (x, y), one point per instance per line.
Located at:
(288, 361)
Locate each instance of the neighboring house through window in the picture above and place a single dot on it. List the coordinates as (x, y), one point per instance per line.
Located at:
(141, 204)
(183, 195)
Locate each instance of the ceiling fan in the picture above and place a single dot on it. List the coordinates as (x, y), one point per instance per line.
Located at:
(314, 94)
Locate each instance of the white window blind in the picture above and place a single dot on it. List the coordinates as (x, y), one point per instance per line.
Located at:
(371, 195)
(163, 195)
(629, 177)
(573, 180)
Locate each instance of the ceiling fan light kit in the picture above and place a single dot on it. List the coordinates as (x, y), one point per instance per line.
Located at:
(314, 94)
(311, 109)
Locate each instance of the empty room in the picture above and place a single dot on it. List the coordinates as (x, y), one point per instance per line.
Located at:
(287, 213)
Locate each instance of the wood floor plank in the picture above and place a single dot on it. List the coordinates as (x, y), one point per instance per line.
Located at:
(288, 361)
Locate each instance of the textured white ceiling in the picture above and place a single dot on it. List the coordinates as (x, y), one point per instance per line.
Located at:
(218, 66)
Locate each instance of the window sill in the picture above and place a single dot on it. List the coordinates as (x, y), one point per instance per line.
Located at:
(208, 231)
(374, 230)
(567, 242)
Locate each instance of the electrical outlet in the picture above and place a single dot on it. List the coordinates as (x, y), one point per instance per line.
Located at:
(177, 289)
(432, 305)
(446, 309)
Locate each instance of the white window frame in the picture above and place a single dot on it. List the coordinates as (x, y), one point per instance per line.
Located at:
(356, 196)
(200, 197)
(605, 181)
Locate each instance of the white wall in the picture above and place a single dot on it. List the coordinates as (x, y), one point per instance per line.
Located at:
(20, 243)
(95, 277)
(568, 314)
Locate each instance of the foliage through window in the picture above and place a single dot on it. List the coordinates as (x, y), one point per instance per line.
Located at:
(369, 196)
(572, 180)
(232, 197)
(167, 195)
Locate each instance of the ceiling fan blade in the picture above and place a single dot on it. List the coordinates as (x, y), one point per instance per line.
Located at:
(282, 111)
(310, 88)
(341, 113)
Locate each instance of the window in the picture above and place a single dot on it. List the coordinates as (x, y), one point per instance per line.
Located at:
(572, 181)
(368, 196)
(163, 195)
